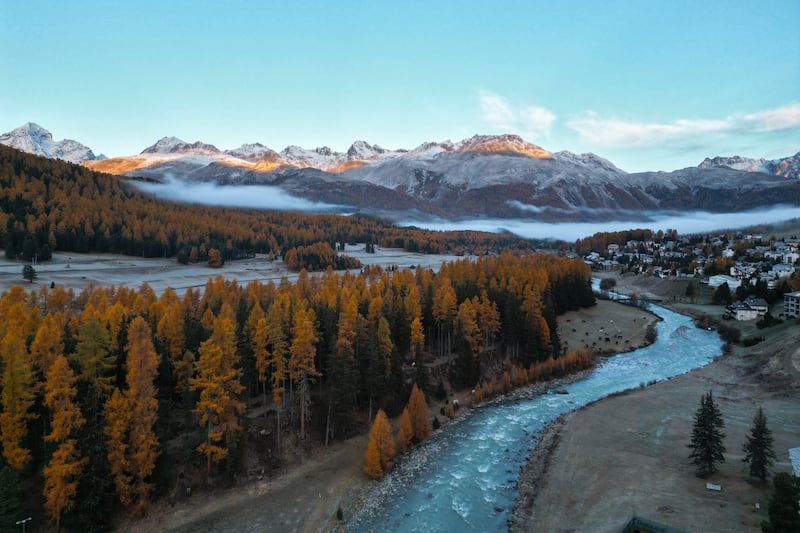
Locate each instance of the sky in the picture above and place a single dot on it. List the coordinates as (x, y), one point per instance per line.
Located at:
(649, 85)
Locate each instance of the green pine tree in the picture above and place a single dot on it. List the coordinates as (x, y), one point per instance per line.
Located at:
(706, 444)
(9, 500)
(784, 506)
(758, 448)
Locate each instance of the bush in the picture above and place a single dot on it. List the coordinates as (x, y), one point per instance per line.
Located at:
(751, 341)
(607, 284)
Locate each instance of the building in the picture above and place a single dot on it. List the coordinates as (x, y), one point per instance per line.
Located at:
(719, 279)
(791, 304)
(742, 311)
(759, 305)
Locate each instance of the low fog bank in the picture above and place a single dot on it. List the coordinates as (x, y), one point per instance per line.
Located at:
(685, 223)
(275, 198)
(255, 196)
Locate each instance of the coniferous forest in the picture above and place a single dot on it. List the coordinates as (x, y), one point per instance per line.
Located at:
(113, 397)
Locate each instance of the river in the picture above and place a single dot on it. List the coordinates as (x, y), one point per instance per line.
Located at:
(464, 477)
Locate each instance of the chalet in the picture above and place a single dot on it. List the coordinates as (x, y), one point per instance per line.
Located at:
(759, 305)
(742, 311)
(791, 304)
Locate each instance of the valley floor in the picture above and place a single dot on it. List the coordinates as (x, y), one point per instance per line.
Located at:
(307, 497)
(627, 455)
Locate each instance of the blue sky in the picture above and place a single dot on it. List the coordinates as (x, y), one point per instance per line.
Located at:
(652, 85)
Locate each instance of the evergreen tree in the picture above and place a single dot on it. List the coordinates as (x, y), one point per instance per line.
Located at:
(784, 506)
(9, 500)
(758, 448)
(29, 273)
(706, 444)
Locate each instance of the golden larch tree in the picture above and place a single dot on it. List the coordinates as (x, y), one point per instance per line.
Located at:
(130, 418)
(301, 358)
(218, 381)
(380, 448)
(418, 411)
(405, 433)
(62, 471)
(16, 398)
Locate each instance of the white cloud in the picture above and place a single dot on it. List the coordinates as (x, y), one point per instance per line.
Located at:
(782, 118)
(528, 121)
(616, 132)
(258, 196)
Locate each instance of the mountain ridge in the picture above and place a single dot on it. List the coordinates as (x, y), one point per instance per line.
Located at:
(500, 176)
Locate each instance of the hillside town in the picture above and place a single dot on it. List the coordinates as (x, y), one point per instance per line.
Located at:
(749, 272)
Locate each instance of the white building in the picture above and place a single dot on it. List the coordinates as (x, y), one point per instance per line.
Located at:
(719, 279)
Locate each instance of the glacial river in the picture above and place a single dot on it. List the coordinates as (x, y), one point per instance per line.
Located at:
(465, 478)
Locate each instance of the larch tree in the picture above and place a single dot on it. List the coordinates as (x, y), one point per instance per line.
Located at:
(418, 354)
(706, 443)
(218, 382)
(418, 411)
(301, 358)
(405, 433)
(96, 364)
(130, 421)
(172, 337)
(277, 321)
(65, 465)
(758, 447)
(380, 447)
(17, 397)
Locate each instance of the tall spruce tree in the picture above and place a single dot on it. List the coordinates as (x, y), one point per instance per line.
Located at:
(784, 506)
(706, 444)
(758, 447)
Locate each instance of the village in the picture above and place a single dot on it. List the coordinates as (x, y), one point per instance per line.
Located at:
(747, 272)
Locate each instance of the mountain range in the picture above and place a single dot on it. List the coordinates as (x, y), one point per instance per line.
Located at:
(497, 176)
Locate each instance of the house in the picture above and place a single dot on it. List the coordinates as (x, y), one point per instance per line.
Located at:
(760, 305)
(719, 279)
(791, 304)
(742, 311)
(782, 270)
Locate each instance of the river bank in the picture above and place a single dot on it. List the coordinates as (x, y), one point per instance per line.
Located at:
(307, 498)
(596, 467)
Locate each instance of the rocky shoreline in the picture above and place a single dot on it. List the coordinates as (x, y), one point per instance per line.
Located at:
(532, 475)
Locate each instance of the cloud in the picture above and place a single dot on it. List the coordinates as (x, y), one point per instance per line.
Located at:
(528, 121)
(782, 118)
(616, 132)
(257, 196)
(686, 223)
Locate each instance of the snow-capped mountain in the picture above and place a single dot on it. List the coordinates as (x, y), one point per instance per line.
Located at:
(788, 167)
(34, 139)
(173, 145)
(500, 176)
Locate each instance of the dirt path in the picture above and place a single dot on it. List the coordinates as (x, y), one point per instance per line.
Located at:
(304, 499)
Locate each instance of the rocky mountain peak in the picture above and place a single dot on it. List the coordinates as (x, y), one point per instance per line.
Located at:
(34, 139)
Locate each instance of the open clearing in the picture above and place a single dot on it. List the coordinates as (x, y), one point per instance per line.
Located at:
(76, 271)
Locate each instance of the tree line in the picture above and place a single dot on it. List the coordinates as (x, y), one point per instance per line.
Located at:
(50, 205)
(96, 383)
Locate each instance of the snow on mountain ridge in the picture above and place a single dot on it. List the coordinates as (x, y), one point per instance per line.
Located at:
(787, 167)
(34, 139)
